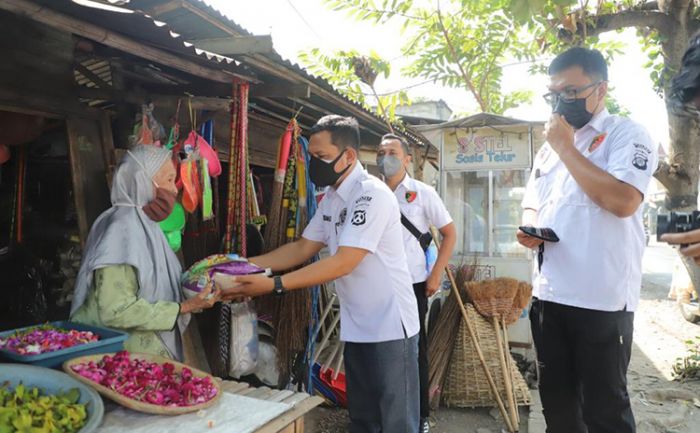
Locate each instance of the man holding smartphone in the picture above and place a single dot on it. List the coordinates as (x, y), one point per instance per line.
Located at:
(587, 185)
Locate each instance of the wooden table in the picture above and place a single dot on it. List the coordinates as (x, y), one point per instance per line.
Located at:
(291, 421)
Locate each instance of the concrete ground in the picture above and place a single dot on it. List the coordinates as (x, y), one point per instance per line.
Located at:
(661, 405)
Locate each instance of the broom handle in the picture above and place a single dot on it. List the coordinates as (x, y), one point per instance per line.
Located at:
(326, 337)
(506, 373)
(472, 334)
(331, 358)
(338, 364)
(509, 362)
(325, 313)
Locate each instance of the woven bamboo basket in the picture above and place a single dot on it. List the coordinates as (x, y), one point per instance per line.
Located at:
(138, 405)
(465, 384)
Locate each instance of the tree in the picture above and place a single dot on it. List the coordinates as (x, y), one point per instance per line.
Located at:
(461, 42)
(352, 73)
(460, 45)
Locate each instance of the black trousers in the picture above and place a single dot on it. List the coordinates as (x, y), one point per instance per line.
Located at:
(419, 290)
(583, 357)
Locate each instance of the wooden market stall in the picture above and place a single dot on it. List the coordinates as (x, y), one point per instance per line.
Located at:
(77, 76)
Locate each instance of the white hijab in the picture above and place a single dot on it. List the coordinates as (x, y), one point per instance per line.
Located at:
(124, 235)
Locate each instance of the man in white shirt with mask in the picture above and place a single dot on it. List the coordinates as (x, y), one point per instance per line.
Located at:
(359, 221)
(421, 207)
(587, 185)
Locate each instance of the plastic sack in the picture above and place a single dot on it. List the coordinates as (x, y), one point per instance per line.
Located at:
(267, 370)
(147, 129)
(243, 358)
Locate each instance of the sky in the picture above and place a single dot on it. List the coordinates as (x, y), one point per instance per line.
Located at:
(297, 25)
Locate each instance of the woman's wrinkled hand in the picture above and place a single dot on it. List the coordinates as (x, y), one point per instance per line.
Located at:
(203, 301)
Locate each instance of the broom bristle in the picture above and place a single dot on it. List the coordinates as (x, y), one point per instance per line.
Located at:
(523, 295)
(493, 298)
(521, 300)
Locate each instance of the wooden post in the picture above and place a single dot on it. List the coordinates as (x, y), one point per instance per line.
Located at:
(85, 148)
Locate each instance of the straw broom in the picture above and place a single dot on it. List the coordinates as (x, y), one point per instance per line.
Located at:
(521, 300)
(472, 335)
(273, 223)
(494, 299)
(442, 336)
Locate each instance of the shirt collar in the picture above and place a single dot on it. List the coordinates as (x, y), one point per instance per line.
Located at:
(346, 187)
(598, 121)
(406, 183)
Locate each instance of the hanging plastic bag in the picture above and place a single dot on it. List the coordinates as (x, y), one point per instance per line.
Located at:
(195, 142)
(244, 340)
(190, 183)
(147, 129)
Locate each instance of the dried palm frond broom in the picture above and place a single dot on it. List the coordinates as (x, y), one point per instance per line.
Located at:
(442, 335)
(493, 299)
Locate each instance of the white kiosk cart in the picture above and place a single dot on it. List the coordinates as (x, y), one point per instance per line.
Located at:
(485, 162)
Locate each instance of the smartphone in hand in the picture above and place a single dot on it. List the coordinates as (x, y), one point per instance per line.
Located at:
(545, 234)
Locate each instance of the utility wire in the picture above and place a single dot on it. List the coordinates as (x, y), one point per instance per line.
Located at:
(304, 19)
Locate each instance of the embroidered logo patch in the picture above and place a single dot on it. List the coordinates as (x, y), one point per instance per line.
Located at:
(411, 196)
(597, 141)
(359, 217)
(640, 161)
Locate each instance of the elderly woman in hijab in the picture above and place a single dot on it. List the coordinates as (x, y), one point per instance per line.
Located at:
(130, 278)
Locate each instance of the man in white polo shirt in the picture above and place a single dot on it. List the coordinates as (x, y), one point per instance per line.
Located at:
(587, 184)
(421, 207)
(359, 220)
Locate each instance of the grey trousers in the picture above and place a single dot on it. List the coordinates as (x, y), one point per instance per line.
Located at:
(382, 386)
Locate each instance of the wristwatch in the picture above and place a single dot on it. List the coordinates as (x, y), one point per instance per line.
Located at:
(279, 289)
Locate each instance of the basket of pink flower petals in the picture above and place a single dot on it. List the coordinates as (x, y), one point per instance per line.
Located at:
(146, 383)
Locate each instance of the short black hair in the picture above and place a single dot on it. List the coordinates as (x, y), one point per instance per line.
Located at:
(591, 61)
(685, 86)
(345, 131)
(404, 143)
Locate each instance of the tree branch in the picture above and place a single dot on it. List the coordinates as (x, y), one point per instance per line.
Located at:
(671, 175)
(617, 21)
(455, 59)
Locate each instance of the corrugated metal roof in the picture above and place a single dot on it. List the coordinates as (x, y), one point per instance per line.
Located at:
(189, 19)
(180, 21)
(142, 27)
(476, 121)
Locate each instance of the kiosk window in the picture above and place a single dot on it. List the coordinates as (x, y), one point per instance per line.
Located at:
(467, 200)
(508, 191)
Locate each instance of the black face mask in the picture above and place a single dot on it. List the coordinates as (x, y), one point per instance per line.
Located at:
(574, 112)
(322, 173)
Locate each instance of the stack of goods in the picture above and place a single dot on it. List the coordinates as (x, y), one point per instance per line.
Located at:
(144, 381)
(25, 409)
(44, 339)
